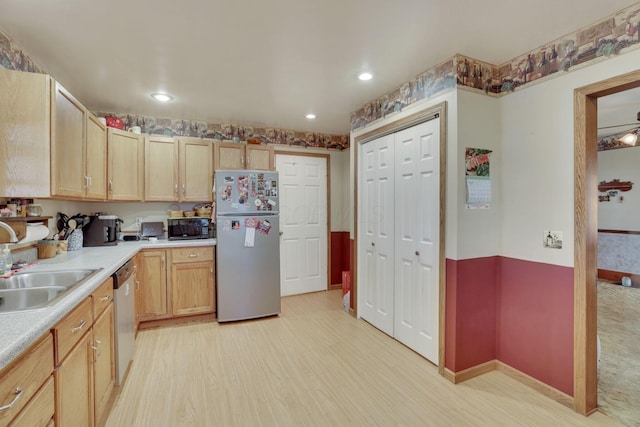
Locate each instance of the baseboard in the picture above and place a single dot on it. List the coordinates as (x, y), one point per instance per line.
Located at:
(616, 276)
(535, 384)
(172, 321)
(472, 372)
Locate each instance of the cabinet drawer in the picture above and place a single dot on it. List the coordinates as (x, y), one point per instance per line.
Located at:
(102, 297)
(22, 381)
(70, 329)
(194, 254)
(39, 412)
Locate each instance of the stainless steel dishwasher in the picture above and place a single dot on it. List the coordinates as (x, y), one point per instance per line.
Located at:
(125, 339)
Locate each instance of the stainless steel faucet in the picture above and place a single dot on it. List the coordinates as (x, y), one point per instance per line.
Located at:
(12, 234)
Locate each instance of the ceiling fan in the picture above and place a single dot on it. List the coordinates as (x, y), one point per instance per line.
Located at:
(630, 138)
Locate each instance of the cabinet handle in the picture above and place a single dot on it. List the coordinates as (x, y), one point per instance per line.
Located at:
(105, 298)
(79, 327)
(98, 342)
(18, 394)
(90, 182)
(184, 190)
(137, 285)
(242, 160)
(194, 255)
(87, 182)
(110, 186)
(176, 190)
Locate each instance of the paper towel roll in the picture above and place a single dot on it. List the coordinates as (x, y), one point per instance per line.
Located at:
(35, 232)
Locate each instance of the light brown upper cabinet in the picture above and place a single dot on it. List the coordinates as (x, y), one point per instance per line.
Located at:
(236, 155)
(178, 170)
(196, 170)
(78, 149)
(125, 165)
(25, 110)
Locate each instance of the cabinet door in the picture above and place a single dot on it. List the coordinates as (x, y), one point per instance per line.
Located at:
(125, 168)
(228, 155)
(192, 288)
(161, 169)
(137, 295)
(25, 108)
(154, 302)
(260, 157)
(96, 160)
(196, 171)
(74, 386)
(104, 370)
(67, 144)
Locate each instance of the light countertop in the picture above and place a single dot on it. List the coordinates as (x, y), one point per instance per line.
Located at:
(20, 330)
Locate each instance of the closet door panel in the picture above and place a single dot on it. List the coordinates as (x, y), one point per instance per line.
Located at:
(378, 230)
(417, 241)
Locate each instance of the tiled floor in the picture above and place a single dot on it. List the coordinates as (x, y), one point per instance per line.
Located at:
(619, 330)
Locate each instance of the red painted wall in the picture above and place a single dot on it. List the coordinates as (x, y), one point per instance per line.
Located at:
(535, 320)
(519, 312)
(470, 335)
(340, 260)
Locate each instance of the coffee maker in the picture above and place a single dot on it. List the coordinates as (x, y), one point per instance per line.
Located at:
(102, 230)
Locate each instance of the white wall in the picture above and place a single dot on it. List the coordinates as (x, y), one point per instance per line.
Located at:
(537, 161)
(622, 164)
(478, 127)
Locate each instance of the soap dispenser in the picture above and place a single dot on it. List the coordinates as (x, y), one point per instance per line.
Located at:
(7, 258)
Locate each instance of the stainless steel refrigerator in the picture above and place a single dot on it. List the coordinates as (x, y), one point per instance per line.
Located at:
(248, 244)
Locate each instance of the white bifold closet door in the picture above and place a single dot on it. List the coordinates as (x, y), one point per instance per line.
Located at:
(400, 226)
(378, 230)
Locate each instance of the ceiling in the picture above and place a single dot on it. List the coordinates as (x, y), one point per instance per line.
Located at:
(269, 63)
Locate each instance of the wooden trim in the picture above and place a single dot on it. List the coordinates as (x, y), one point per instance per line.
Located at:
(585, 381)
(619, 232)
(440, 110)
(616, 276)
(328, 159)
(472, 372)
(173, 321)
(535, 384)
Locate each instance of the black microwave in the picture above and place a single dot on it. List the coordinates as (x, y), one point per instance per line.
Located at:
(187, 228)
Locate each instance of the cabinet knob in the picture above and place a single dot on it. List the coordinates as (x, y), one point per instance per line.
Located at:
(417, 253)
(373, 243)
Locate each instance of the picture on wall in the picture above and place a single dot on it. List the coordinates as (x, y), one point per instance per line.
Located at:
(478, 178)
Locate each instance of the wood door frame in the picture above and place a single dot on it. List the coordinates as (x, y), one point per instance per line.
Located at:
(585, 325)
(438, 110)
(327, 157)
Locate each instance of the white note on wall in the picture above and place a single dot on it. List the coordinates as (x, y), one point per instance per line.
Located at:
(478, 192)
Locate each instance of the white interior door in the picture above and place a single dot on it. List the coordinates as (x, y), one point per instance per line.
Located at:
(303, 223)
(417, 224)
(376, 241)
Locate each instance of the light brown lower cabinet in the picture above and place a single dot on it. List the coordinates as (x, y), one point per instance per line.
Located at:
(176, 282)
(104, 369)
(25, 396)
(85, 360)
(192, 284)
(74, 386)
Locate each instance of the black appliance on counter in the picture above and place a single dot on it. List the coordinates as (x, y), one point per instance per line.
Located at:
(187, 228)
(102, 230)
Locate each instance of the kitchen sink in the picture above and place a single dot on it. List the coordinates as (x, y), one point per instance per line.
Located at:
(41, 289)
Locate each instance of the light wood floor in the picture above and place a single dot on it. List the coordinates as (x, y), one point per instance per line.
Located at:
(314, 365)
(619, 374)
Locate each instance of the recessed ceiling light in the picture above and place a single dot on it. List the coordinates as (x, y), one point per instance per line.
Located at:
(365, 76)
(162, 97)
(310, 116)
